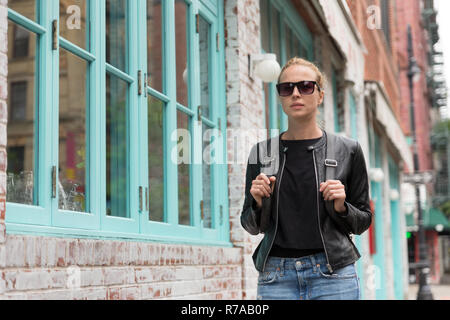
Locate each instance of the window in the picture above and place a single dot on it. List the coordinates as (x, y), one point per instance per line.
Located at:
(112, 118)
(18, 91)
(21, 40)
(284, 33)
(385, 20)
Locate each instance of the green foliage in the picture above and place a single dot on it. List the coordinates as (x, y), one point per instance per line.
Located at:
(445, 208)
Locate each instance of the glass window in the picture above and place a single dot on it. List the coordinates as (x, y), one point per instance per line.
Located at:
(22, 128)
(204, 44)
(264, 16)
(116, 34)
(74, 22)
(182, 49)
(21, 42)
(156, 158)
(27, 8)
(184, 166)
(116, 147)
(154, 44)
(73, 161)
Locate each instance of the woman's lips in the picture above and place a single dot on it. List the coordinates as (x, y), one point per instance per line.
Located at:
(297, 106)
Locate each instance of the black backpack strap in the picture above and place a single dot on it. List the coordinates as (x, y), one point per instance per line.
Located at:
(330, 166)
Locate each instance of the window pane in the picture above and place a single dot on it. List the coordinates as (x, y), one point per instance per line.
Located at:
(207, 176)
(204, 44)
(73, 22)
(116, 147)
(182, 49)
(22, 128)
(184, 160)
(154, 44)
(26, 8)
(116, 34)
(264, 25)
(73, 160)
(156, 158)
(21, 42)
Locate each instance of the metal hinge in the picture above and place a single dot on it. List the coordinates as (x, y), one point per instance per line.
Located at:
(139, 82)
(217, 42)
(202, 213)
(220, 127)
(146, 199)
(140, 199)
(145, 84)
(197, 22)
(221, 215)
(55, 35)
(54, 182)
(199, 113)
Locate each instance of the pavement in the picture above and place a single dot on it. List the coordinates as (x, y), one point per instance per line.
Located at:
(439, 292)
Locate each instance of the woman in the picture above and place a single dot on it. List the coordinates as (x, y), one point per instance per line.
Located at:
(307, 220)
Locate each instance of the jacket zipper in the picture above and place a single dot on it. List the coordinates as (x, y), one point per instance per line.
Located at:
(318, 214)
(276, 221)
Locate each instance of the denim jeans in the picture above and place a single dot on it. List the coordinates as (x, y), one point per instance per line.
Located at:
(306, 278)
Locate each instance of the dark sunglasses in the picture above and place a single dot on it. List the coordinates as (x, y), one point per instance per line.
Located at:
(285, 89)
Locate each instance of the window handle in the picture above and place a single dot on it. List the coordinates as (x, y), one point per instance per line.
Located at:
(140, 199)
(201, 210)
(54, 34)
(54, 182)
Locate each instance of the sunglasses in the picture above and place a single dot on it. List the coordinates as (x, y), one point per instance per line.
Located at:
(285, 89)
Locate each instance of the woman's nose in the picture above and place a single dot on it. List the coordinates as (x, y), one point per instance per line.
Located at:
(296, 92)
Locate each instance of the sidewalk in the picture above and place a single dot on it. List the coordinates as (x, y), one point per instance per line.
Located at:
(440, 292)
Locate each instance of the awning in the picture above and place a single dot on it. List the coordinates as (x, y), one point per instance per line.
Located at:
(432, 218)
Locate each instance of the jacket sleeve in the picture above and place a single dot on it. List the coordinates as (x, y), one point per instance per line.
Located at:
(251, 215)
(358, 215)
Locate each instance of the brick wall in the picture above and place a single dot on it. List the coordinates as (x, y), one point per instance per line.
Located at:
(244, 111)
(3, 121)
(55, 268)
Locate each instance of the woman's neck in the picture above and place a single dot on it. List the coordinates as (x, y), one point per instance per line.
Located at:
(297, 131)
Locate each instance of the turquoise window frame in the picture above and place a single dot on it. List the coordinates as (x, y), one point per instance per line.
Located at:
(47, 218)
(287, 17)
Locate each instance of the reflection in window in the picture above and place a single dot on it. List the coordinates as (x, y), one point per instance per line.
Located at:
(116, 147)
(73, 22)
(27, 8)
(21, 42)
(116, 34)
(182, 49)
(22, 129)
(184, 161)
(73, 162)
(156, 159)
(18, 92)
(204, 44)
(207, 175)
(154, 44)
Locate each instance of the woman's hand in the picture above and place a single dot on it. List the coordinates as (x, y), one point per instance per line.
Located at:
(261, 188)
(334, 190)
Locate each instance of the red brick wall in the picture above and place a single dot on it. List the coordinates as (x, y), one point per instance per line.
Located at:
(408, 12)
(383, 59)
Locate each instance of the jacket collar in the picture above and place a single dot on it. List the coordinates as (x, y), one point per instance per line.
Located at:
(322, 141)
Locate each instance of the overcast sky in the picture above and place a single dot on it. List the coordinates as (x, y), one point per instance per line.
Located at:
(443, 7)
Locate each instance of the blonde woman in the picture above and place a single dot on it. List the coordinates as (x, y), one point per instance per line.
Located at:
(307, 220)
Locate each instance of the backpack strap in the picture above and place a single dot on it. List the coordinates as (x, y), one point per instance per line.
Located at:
(330, 166)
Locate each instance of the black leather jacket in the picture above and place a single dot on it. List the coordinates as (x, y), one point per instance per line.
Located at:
(335, 228)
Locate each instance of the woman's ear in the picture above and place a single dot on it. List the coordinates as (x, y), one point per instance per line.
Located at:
(322, 95)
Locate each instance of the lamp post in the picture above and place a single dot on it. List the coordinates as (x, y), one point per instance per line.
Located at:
(424, 292)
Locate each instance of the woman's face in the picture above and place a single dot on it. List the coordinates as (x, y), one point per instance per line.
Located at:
(296, 105)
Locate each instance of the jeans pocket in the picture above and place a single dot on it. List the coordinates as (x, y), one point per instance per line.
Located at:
(346, 272)
(267, 277)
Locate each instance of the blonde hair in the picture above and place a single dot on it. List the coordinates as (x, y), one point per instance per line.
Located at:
(302, 62)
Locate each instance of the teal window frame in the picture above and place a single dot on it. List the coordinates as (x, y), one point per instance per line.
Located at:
(287, 17)
(46, 218)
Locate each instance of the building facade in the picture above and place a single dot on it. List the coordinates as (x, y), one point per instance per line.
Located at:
(123, 149)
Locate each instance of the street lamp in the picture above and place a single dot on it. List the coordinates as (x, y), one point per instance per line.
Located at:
(424, 292)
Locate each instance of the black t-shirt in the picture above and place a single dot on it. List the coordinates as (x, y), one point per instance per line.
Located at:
(298, 227)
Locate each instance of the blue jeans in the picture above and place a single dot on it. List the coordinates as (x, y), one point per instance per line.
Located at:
(306, 278)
